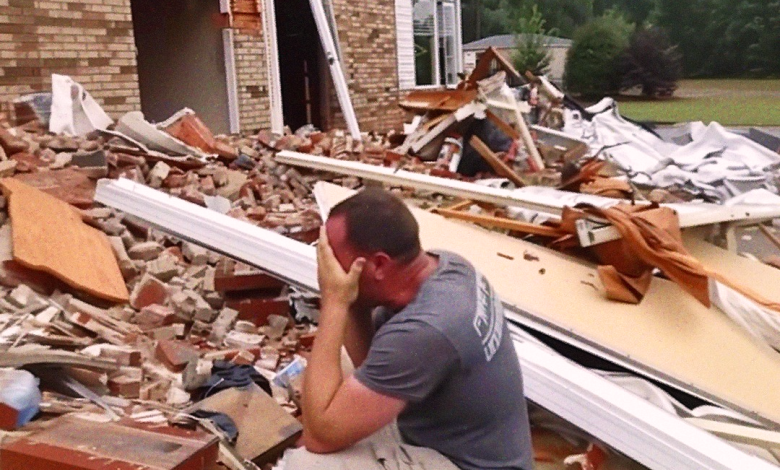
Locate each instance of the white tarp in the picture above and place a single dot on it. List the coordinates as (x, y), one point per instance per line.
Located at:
(73, 110)
(716, 163)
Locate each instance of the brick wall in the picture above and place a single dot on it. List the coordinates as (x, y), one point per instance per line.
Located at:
(252, 72)
(90, 40)
(368, 43)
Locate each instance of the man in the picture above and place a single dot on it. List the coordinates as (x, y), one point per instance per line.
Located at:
(439, 359)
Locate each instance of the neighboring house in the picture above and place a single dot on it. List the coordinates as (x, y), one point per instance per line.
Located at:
(505, 44)
(242, 65)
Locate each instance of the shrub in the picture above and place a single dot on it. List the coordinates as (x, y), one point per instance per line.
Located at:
(530, 48)
(650, 62)
(591, 63)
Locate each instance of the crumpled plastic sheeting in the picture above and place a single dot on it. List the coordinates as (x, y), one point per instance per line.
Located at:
(761, 322)
(716, 163)
(73, 110)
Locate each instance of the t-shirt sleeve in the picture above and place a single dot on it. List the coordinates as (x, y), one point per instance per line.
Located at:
(408, 360)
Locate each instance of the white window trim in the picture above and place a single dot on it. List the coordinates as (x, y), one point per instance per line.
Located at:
(405, 41)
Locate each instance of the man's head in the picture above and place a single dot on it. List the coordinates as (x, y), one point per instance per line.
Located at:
(377, 226)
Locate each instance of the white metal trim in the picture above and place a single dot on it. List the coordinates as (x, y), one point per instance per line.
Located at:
(436, 44)
(458, 36)
(651, 436)
(234, 117)
(274, 74)
(690, 215)
(339, 80)
(283, 257)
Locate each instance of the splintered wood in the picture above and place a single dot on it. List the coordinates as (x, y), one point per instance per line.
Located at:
(48, 235)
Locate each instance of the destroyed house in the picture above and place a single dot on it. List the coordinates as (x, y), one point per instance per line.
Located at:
(241, 65)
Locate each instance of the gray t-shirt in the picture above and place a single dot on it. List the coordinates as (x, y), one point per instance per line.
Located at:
(450, 356)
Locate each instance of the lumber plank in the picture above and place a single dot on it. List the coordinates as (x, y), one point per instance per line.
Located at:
(501, 168)
(500, 222)
(669, 336)
(25, 358)
(49, 235)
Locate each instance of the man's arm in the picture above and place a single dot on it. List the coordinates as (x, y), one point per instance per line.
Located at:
(360, 330)
(338, 413)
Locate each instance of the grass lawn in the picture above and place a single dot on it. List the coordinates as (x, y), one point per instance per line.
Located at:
(729, 102)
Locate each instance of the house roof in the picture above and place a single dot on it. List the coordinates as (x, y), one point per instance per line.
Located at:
(507, 41)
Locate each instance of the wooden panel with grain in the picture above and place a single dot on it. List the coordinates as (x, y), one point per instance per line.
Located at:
(49, 235)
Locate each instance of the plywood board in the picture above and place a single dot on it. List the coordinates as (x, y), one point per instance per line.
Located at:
(669, 335)
(760, 277)
(48, 235)
(265, 429)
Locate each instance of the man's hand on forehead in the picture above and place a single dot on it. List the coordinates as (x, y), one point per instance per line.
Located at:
(336, 285)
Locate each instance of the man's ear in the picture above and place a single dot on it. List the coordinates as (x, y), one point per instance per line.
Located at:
(382, 263)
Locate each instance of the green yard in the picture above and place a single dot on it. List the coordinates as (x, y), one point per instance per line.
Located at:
(729, 102)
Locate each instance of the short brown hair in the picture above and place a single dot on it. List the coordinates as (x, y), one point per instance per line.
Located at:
(378, 221)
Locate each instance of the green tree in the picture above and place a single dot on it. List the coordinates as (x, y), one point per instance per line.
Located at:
(650, 62)
(530, 53)
(591, 63)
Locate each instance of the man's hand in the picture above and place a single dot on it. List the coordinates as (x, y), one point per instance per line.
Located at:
(336, 285)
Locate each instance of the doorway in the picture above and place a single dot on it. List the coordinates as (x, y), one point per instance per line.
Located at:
(299, 63)
(181, 60)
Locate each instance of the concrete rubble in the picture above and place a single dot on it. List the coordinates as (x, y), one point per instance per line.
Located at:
(195, 318)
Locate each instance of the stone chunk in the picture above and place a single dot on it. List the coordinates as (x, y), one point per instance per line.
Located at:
(195, 254)
(163, 268)
(223, 324)
(145, 251)
(157, 175)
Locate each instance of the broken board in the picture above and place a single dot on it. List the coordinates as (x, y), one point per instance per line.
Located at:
(77, 444)
(265, 429)
(49, 235)
(669, 336)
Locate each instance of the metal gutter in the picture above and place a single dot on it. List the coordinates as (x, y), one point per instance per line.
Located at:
(287, 259)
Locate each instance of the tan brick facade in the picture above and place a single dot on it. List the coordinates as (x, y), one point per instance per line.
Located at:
(252, 74)
(90, 40)
(367, 37)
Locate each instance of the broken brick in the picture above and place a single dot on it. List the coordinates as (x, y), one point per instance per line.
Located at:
(155, 316)
(148, 291)
(257, 310)
(175, 354)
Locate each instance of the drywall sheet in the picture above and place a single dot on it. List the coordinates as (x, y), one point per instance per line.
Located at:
(669, 335)
(48, 235)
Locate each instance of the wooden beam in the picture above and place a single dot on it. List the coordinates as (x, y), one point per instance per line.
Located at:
(25, 357)
(502, 125)
(502, 223)
(498, 165)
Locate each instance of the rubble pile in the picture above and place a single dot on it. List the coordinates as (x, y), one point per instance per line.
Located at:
(192, 323)
(162, 331)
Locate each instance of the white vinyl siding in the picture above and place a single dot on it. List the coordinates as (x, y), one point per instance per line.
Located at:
(405, 47)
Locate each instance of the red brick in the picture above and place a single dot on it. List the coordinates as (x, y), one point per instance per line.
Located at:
(148, 291)
(8, 417)
(175, 354)
(155, 316)
(257, 310)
